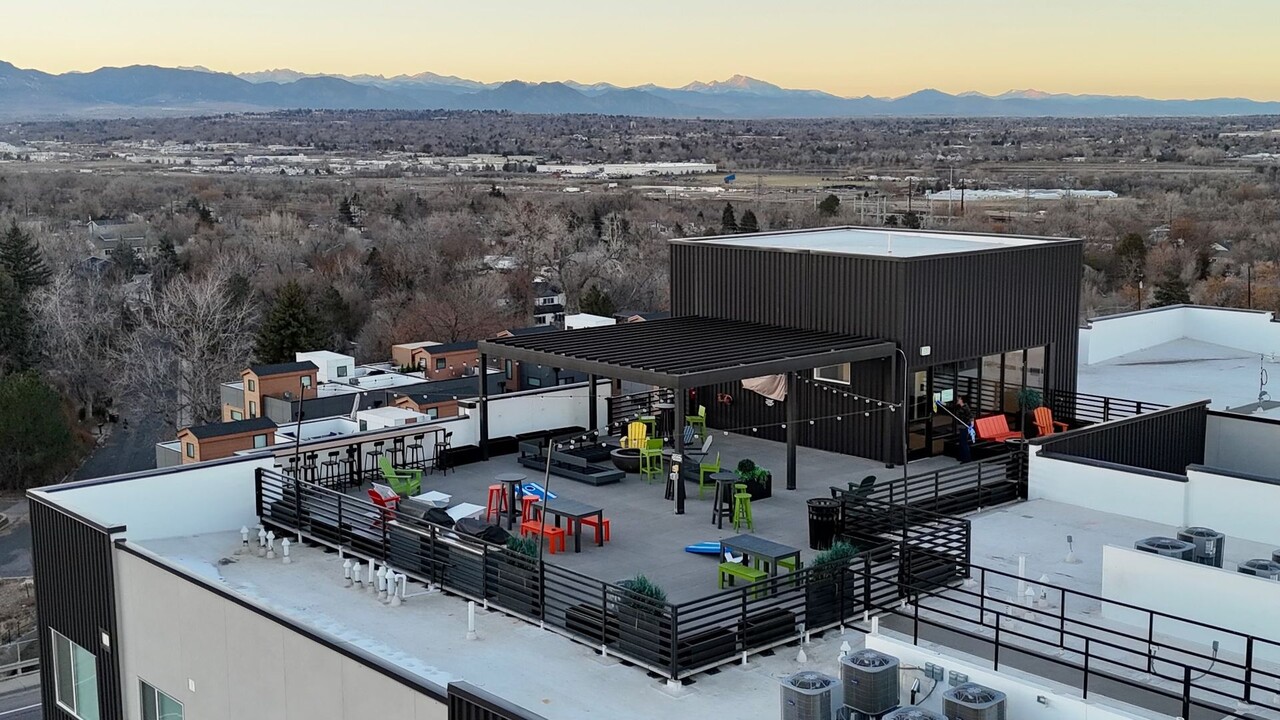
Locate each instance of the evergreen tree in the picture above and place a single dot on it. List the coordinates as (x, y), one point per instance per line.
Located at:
(290, 327)
(16, 347)
(126, 260)
(36, 442)
(337, 318)
(345, 213)
(911, 220)
(597, 221)
(597, 302)
(1131, 257)
(20, 258)
(749, 224)
(829, 206)
(1172, 290)
(728, 221)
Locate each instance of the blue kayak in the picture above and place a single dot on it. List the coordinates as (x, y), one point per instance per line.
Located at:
(703, 548)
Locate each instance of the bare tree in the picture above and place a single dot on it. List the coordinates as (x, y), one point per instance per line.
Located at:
(192, 335)
(81, 322)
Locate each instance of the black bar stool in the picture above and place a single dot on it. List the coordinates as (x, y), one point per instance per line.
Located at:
(372, 457)
(348, 468)
(442, 449)
(397, 451)
(309, 466)
(415, 458)
(329, 469)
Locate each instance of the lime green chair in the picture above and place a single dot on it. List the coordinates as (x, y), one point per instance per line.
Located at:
(651, 459)
(705, 469)
(406, 481)
(698, 422)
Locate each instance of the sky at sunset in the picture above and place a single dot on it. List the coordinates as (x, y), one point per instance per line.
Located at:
(1156, 48)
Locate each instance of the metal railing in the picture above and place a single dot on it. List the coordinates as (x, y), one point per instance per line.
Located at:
(19, 658)
(625, 408)
(350, 462)
(958, 489)
(1065, 628)
(1074, 408)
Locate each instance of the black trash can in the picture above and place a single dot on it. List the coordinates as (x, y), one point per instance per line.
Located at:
(824, 518)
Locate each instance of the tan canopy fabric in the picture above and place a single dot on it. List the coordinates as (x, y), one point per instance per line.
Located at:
(773, 387)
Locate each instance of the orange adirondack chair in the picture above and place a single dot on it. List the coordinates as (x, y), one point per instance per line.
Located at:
(1045, 422)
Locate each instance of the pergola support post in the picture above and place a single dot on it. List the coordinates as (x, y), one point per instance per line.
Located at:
(593, 415)
(792, 430)
(680, 413)
(483, 375)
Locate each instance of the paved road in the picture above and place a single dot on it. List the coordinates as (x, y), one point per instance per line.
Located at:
(21, 705)
(127, 449)
(15, 543)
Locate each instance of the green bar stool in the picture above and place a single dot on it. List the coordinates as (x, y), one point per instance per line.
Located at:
(650, 422)
(651, 460)
(742, 511)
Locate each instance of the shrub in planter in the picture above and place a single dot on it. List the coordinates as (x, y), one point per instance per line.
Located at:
(829, 588)
(512, 576)
(644, 628)
(759, 480)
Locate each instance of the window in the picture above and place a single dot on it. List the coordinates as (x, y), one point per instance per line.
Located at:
(342, 371)
(306, 381)
(833, 374)
(439, 363)
(259, 441)
(253, 386)
(433, 413)
(534, 381)
(191, 450)
(253, 409)
(158, 706)
(364, 425)
(237, 415)
(75, 678)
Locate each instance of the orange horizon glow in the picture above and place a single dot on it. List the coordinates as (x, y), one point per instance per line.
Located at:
(1154, 48)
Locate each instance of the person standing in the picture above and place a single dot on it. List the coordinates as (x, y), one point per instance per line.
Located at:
(964, 438)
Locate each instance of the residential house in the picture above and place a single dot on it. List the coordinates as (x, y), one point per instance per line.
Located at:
(105, 235)
(288, 382)
(548, 304)
(214, 441)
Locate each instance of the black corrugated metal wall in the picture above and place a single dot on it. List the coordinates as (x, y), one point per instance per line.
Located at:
(828, 421)
(1165, 441)
(75, 595)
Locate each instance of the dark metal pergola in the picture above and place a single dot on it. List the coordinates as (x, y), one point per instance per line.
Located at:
(682, 353)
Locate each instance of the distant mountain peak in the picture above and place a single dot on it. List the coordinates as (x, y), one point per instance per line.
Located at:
(735, 83)
(1028, 94)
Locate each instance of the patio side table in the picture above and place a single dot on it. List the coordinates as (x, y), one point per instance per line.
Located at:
(722, 501)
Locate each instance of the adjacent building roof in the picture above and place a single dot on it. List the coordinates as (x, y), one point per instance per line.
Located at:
(877, 242)
(533, 330)
(282, 368)
(451, 347)
(689, 351)
(236, 427)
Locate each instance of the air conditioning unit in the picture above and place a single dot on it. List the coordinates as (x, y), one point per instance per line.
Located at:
(807, 696)
(1269, 569)
(912, 712)
(1275, 556)
(971, 701)
(1167, 546)
(870, 682)
(1210, 545)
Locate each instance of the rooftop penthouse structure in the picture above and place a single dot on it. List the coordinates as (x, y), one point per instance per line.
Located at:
(1036, 572)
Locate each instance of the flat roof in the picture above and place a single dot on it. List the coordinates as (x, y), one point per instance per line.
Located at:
(877, 242)
(1175, 373)
(234, 427)
(285, 368)
(689, 351)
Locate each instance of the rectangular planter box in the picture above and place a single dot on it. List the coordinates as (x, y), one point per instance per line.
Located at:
(588, 621)
(512, 582)
(767, 627)
(823, 600)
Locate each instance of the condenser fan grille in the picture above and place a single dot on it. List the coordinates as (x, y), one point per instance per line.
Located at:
(975, 696)
(870, 659)
(810, 681)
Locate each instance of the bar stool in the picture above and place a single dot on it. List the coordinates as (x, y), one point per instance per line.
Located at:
(650, 422)
(329, 468)
(497, 503)
(372, 457)
(442, 450)
(309, 466)
(349, 467)
(722, 501)
(526, 506)
(742, 509)
(397, 451)
(415, 451)
(293, 467)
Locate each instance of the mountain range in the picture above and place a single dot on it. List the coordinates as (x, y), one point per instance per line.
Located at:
(147, 90)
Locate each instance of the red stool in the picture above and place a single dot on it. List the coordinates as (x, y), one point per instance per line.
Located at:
(497, 503)
(526, 505)
(591, 523)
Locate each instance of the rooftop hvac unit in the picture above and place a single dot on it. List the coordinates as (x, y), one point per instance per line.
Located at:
(1275, 556)
(807, 696)
(1269, 569)
(971, 701)
(870, 681)
(913, 713)
(1210, 545)
(1167, 546)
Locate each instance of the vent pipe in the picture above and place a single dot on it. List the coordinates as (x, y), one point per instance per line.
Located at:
(346, 573)
(355, 575)
(284, 548)
(262, 542)
(271, 545)
(244, 541)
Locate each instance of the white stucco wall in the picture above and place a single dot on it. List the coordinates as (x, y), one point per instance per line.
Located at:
(1241, 443)
(1220, 597)
(1114, 335)
(1106, 489)
(1236, 506)
(1061, 703)
(177, 635)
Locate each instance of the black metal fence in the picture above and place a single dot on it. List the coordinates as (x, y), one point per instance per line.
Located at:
(1166, 441)
(625, 408)
(1143, 659)
(1074, 408)
(959, 489)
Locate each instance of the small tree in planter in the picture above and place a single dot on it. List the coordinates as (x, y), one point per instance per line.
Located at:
(759, 480)
(644, 628)
(1028, 400)
(513, 576)
(824, 591)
